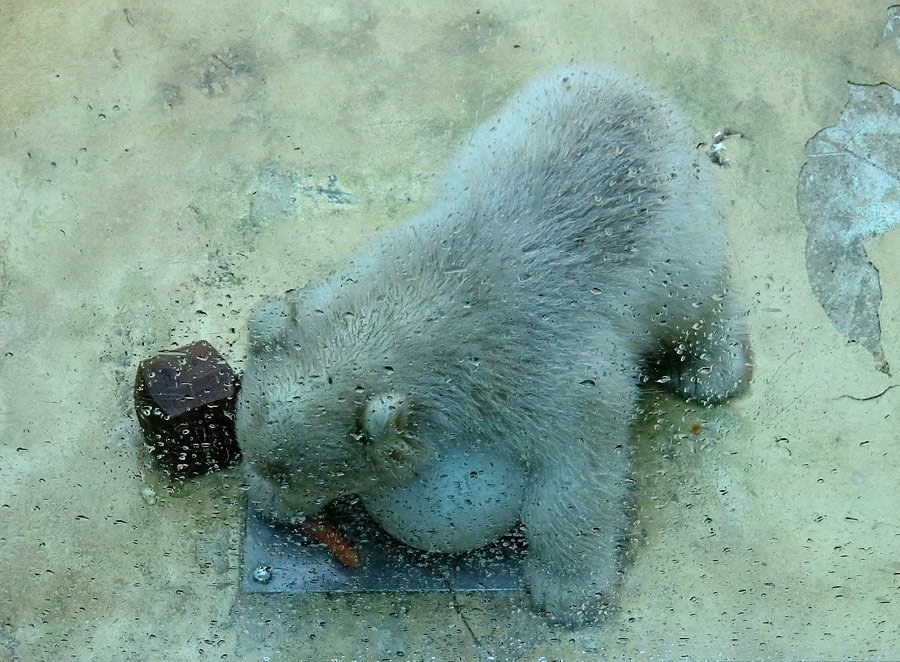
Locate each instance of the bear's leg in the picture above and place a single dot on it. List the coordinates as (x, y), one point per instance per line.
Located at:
(575, 519)
(711, 360)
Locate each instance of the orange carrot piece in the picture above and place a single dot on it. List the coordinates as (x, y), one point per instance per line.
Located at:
(337, 544)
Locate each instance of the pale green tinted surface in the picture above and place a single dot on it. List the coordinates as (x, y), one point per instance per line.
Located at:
(164, 166)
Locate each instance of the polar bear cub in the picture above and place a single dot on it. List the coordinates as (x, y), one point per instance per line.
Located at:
(571, 252)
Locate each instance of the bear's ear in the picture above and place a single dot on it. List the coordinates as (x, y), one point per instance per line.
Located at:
(269, 323)
(386, 416)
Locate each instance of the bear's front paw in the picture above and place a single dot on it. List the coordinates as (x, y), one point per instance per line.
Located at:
(571, 599)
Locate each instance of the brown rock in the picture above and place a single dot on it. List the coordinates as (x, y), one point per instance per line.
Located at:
(184, 400)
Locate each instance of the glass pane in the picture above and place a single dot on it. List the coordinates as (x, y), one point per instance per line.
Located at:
(378, 331)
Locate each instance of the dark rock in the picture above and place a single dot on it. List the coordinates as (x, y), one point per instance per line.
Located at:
(184, 400)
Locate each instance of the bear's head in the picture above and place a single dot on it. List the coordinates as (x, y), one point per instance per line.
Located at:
(315, 424)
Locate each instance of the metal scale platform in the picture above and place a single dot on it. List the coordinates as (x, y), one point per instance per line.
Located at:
(284, 559)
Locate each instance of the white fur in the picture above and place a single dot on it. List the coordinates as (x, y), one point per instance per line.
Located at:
(571, 250)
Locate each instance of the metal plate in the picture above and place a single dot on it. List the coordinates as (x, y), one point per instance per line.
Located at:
(298, 564)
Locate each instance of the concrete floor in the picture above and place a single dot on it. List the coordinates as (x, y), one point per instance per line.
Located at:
(165, 165)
